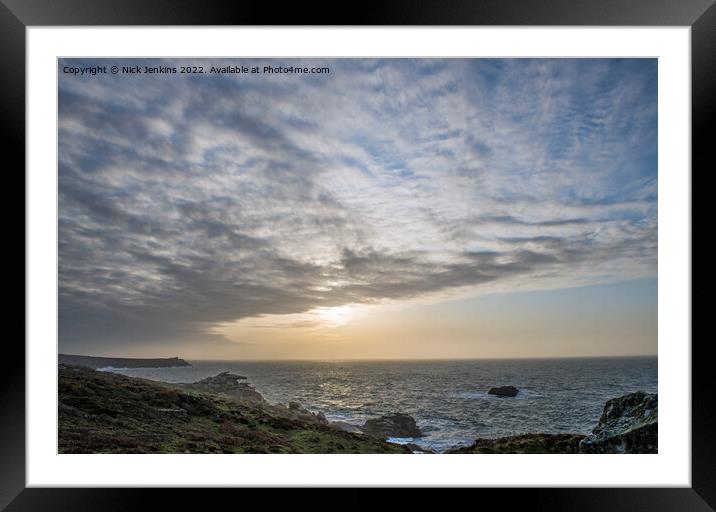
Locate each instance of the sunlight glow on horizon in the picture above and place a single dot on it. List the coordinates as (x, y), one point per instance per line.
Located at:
(617, 319)
(335, 316)
(394, 208)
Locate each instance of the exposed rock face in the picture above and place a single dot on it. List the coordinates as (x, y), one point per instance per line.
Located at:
(228, 383)
(504, 391)
(224, 380)
(629, 424)
(298, 412)
(345, 427)
(415, 448)
(396, 425)
(525, 443)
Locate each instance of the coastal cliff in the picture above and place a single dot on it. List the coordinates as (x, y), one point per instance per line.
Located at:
(103, 412)
(629, 424)
(120, 362)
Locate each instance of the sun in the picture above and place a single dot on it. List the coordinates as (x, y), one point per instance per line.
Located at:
(335, 316)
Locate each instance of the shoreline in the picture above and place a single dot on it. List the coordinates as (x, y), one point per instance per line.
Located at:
(453, 405)
(105, 412)
(227, 385)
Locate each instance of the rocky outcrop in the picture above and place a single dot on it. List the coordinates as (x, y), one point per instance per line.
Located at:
(229, 384)
(221, 381)
(525, 443)
(345, 427)
(298, 412)
(395, 425)
(416, 448)
(119, 362)
(509, 391)
(629, 424)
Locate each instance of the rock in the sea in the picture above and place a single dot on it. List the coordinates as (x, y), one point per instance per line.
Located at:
(228, 383)
(629, 424)
(395, 425)
(504, 391)
(222, 380)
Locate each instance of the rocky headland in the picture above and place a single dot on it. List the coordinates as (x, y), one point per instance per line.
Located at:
(104, 412)
(228, 384)
(120, 362)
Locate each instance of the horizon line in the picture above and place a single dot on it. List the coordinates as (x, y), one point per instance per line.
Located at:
(379, 359)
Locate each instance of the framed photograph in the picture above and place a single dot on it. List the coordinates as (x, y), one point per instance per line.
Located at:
(436, 245)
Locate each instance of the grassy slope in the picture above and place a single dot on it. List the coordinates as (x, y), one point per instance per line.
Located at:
(102, 412)
(526, 443)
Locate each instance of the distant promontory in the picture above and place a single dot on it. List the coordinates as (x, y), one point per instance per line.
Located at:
(120, 362)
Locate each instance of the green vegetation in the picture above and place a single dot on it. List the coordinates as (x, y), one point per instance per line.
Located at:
(526, 443)
(102, 412)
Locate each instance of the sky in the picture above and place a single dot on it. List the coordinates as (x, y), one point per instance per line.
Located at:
(391, 208)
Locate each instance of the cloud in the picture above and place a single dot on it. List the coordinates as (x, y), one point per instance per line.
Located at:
(187, 201)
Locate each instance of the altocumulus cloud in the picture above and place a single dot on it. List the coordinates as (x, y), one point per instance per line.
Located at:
(186, 201)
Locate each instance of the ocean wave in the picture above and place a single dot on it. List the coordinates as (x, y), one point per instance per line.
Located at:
(401, 440)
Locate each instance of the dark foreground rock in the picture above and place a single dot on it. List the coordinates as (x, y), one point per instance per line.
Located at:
(629, 424)
(229, 384)
(416, 448)
(120, 362)
(395, 425)
(525, 443)
(510, 391)
(104, 412)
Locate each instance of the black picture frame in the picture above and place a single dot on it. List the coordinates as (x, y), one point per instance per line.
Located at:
(17, 15)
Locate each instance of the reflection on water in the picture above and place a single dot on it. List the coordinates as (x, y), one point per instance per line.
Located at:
(448, 399)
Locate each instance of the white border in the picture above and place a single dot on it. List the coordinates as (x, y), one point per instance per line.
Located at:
(671, 467)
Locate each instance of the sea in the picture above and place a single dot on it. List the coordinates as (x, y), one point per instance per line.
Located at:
(448, 399)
